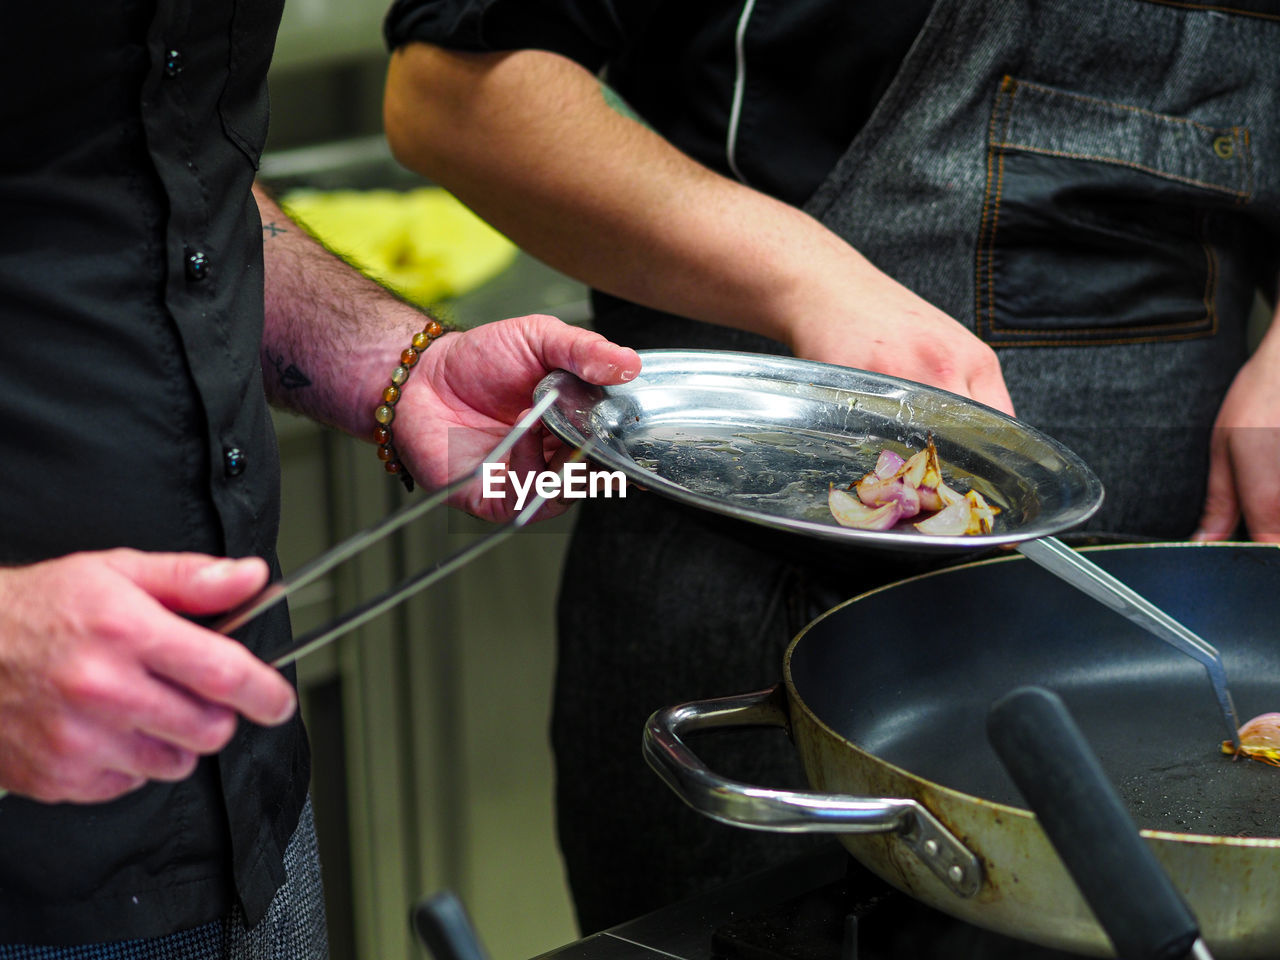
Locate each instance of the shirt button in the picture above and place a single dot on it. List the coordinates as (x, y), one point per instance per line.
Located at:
(173, 63)
(196, 264)
(233, 461)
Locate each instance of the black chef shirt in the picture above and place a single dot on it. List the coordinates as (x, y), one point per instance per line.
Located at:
(132, 413)
(768, 91)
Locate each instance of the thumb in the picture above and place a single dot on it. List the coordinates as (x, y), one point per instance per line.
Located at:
(584, 353)
(1221, 511)
(606, 363)
(191, 582)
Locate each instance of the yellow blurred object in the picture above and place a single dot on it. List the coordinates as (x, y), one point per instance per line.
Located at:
(422, 243)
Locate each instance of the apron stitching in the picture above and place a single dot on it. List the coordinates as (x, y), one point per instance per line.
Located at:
(1216, 9)
(1210, 263)
(1085, 98)
(991, 257)
(1162, 328)
(1099, 158)
(1247, 149)
(980, 262)
(991, 204)
(1063, 339)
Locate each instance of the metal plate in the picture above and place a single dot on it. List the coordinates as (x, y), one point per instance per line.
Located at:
(761, 438)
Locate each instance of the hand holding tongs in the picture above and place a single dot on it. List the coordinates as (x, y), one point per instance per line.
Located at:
(364, 612)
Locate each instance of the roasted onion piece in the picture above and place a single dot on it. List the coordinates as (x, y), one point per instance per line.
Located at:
(849, 511)
(1259, 740)
(898, 489)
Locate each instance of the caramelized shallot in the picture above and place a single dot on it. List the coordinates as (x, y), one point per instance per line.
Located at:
(849, 511)
(1259, 740)
(984, 514)
(951, 521)
(875, 492)
(887, 464)
(898, 489)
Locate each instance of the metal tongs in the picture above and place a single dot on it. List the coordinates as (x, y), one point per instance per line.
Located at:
(314, 569)
(1085, 575)
(361, 614)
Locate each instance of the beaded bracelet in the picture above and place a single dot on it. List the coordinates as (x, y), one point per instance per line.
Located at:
(386, 411)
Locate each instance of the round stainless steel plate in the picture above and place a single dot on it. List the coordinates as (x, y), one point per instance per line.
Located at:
(761, 438)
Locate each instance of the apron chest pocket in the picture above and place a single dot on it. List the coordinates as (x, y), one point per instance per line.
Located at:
(1098, 220)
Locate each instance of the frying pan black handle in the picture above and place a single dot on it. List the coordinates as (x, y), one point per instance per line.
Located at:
(1053, 766)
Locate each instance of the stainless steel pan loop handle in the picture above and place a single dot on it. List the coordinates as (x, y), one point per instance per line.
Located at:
(789, 811)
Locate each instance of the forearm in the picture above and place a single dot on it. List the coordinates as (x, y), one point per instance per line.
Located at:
(529, 141)
(332, 336)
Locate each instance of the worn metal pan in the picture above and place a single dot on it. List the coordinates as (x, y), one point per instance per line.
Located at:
(886, 697)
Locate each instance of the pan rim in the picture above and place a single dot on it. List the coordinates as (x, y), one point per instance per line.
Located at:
(924, 786)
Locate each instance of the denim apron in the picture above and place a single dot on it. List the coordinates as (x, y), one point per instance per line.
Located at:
(1094, 189)
(1091, 187)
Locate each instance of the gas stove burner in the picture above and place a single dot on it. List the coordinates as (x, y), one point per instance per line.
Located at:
(823, 905)
(859, 917)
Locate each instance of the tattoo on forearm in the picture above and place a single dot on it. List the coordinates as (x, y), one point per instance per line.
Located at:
(291, 378)
(273, 229)
(615, 101)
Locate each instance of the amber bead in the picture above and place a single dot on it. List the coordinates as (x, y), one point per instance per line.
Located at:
(386, 413)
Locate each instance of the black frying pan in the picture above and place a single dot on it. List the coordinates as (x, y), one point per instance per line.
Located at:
(887, 696)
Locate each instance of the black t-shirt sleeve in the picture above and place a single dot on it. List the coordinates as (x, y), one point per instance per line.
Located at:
(591, 32)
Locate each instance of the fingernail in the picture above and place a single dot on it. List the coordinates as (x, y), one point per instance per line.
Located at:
(290, 707)
(216, 572)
